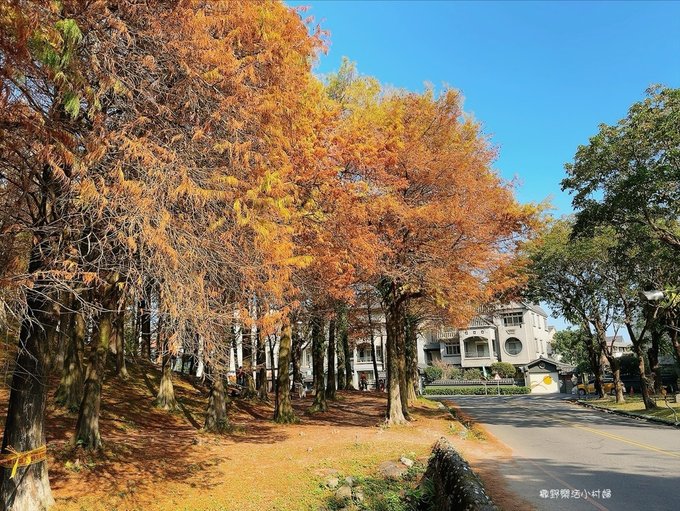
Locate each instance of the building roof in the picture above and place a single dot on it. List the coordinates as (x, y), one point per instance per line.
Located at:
(537, 309)
(560, 366)
(618, 341)
(522, 305)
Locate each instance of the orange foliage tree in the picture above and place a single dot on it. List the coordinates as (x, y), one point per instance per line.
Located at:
(448, 225)
(151, 143)
(185, 150)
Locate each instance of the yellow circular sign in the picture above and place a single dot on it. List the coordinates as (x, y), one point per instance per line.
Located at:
(547, 380)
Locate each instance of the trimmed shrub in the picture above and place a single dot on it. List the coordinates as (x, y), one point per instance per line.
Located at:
(504, 369)
(433, 373)
(475, 391)
(472, 374)
(454, 373)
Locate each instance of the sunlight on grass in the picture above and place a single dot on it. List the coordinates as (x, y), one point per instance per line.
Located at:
(634, 405)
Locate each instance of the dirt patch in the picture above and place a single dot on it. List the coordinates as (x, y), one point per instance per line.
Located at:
(154, 460)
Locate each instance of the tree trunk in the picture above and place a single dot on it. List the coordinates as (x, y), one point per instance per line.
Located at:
(320, 404)
(401, 361)
(653, 356)
(272, 369)
(283, 411)
(673, 334)
(119, 341)
(60, 332)
(330, 382)
(614, 362)
(249, 391)
(185, 359)
(644, 380)
(372, 339)
(248, 359)
(166, 391)
(296, 355)
(146, 322)
(136, 324)
(262, 383)
(395, 413)
(340, 354)
(200, 364)
(87, 428)
(594, 356)
(616, 370)
(348, 361)
(601, 351)
(70, 391)
(411, 361)
(216, 413)
(51, 326)
(24, 431)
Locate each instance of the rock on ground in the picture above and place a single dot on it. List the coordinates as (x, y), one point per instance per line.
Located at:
(406, 461)
(392, 470)
(344, 492)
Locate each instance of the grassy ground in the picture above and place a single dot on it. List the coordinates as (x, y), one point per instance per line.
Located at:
(154, 460)
(635, 406)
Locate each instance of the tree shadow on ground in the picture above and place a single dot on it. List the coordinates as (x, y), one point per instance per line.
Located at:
(145, 447)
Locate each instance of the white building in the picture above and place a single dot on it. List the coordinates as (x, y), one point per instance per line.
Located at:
(360, 355)
(619, 346)
(517, 333)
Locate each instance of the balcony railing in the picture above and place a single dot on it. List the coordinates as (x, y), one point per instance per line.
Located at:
(479, 322)
(365, 360)
(447, 333)
(476, 355)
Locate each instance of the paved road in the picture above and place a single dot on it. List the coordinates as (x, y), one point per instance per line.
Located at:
(569, 449)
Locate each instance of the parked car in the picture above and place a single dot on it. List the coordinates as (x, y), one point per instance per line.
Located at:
(607, 385)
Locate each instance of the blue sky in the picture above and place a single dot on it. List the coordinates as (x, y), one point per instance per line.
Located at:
(539, 76)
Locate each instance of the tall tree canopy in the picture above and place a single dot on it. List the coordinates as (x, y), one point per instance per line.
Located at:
(628, 174)
(182, 156)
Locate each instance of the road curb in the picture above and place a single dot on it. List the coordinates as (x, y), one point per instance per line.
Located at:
(626, 414)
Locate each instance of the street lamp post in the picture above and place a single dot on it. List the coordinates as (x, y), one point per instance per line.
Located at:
(656, 296)
(652, 296)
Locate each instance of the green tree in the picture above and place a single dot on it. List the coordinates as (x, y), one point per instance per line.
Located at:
(625, 179)
(575, 276)
(504, 369)
(572, 346)
(628, 173)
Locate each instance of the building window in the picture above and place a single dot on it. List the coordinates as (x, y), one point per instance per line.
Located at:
(476, 347)
(364, 353)
(512, 319)
(452, 348)
(513, 346)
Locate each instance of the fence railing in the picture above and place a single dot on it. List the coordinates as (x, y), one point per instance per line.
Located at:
(463, 383)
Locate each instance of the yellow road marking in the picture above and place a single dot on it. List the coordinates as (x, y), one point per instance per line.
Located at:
(614, 437)
(627, 441)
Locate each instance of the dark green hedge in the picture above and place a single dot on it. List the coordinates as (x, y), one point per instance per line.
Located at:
(474, 391)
